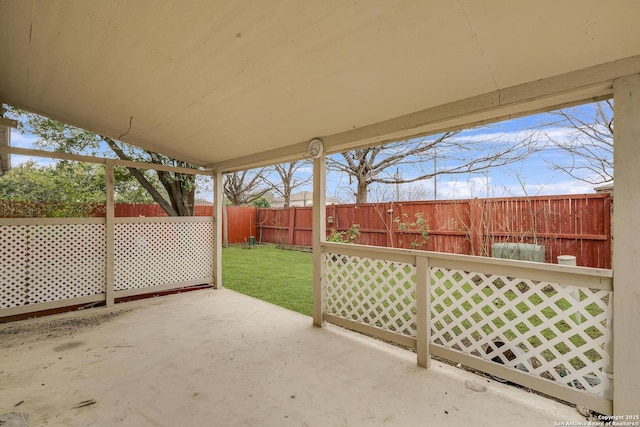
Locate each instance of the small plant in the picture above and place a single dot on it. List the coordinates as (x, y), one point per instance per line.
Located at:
(347, 236)
(419, 227)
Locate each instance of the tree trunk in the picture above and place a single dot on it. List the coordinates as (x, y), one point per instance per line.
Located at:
(363, 190)
(181, 191)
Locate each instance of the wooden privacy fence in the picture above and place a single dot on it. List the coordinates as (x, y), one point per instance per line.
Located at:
(49, 209)
(578, 225)
(240, 224)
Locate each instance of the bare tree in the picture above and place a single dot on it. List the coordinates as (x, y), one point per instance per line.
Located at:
(242, 188)
(455, 155)
(589, 144)
(290, 179)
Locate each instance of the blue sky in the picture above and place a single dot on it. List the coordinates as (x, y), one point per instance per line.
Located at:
(530, 177)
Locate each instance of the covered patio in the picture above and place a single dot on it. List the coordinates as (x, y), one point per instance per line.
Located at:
(227, 86)
(217, 357)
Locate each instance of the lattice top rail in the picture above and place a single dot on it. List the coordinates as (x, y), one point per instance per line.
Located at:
(587, 277)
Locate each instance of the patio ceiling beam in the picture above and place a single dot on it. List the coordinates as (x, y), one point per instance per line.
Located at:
(8, 122)
(100, 160)
(585, 85)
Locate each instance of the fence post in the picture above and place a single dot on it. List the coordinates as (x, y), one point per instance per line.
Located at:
(387, 221)
(292, 224)
(110, 230)
(475, 226)
(397, 207)
(423, 311)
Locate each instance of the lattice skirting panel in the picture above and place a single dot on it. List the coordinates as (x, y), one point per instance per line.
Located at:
(42, 263)
(543, 329)
(370, 291)
(149, 254)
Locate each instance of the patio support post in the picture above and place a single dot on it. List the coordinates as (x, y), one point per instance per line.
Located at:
(110, 230)
(626, 246)
(319, 236)
(423, 329)
(218, 206)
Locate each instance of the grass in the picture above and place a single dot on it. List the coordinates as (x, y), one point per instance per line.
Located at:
(281, 277)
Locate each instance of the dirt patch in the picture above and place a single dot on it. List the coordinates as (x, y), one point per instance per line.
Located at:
(68, 346)
(67, 325)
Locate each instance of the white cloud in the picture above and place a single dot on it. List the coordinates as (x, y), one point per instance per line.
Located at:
(551, 188)
(484, 187)
(458, 189)
(22, 141)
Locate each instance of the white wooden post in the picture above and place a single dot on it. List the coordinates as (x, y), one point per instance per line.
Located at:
(218, 206)
(319, 236)
(423, 311)
(626, 246)
(110, 230)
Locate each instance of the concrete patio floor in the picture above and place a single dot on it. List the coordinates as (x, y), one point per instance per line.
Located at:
(219, 358)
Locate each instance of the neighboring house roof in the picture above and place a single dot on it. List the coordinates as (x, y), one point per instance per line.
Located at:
(604, 188)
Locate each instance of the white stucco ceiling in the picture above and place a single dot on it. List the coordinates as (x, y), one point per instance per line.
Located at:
(209, 81)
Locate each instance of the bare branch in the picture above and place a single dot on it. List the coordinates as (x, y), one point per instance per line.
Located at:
(289, 177)
(455, 155)
(587, 152)
(242, 188)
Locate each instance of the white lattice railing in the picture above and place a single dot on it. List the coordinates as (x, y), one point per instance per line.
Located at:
(544, 326)
(48, 261)
(55, 262)
(153, 251)
(371, 291)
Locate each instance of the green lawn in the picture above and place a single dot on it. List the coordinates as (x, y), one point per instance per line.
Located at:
(279, 276)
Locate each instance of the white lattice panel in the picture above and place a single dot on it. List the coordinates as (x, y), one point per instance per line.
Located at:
(149, 254)
(40, 263)
(375, 292)
(546, 329)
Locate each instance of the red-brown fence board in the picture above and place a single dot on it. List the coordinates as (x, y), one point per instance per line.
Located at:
(43, 209)
(273, 225)
(578, 225)
(241, 223)
(303, 233)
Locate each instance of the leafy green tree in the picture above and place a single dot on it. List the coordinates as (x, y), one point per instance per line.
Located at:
(61, 190)
(262, 202)
(128, 190)
(175, 192)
